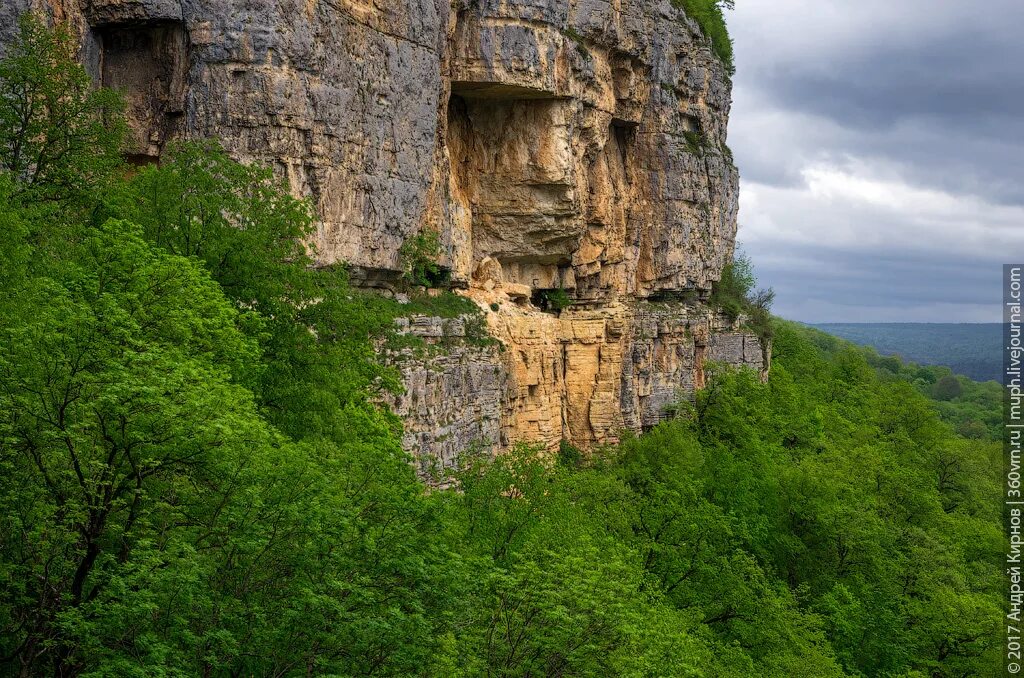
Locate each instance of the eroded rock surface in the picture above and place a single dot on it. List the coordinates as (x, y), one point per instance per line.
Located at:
(584, 375)
(555, 145)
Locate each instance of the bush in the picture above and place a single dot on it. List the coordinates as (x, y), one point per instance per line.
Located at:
(734, 295)
(569, 455)
(696, 142)
(445, 305)
(418, 258)
(552, 300)
(729, 294)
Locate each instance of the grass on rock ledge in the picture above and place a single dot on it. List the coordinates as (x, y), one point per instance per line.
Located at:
(710, 17)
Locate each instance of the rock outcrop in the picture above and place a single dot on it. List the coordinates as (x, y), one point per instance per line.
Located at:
(583, 376)
(560, 148)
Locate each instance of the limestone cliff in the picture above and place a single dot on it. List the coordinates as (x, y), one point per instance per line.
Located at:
(583, 376)
(554, 145)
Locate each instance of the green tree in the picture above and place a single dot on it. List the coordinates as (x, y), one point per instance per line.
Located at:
(734, 295)
(419, 258)
(115, 387)
(319, 365)
(947, 388)
(60, 138)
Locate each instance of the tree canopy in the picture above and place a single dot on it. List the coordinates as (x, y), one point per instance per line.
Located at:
(196, 477)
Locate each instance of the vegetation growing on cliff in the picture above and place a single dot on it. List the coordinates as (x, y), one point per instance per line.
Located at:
(709, 15)
(195, 480)
(555, 299)
(419, 257)
(735, 296)
(61, 136)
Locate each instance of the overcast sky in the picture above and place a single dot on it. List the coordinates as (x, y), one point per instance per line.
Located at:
(881, 153)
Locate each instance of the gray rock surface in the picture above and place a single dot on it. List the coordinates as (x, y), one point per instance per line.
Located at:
(553, 144)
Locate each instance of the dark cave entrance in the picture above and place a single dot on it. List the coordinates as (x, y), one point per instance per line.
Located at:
(622, 134)
(511, 196)
(149, 64)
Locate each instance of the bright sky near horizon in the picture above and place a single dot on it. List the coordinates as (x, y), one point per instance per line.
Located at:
(881, 155)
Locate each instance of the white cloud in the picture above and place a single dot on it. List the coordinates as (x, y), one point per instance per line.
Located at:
(853, 207)
(770, 33)
(878, 184)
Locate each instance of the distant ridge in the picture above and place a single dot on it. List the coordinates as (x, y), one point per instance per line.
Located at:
(970, 349)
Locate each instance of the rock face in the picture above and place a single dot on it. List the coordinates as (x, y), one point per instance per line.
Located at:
(568, 148)
(583, 376)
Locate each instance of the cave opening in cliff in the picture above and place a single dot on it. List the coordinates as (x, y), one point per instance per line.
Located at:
(148, 64)
(691, 123)
(511, 194)
(690, 296)
(622, 134)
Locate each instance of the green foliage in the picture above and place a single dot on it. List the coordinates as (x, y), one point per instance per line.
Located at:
(846, 488)
(555, 300)
(947, 388)
(196, 480)
(59, 137)
(696, 142)
(581, 44)
(709, 15)
(418, 258)
(973, 409)
(966, 348)
(248, 231)
(730, 293)
(558, 299)
(443, 305)
(734, 296)
(569, 455)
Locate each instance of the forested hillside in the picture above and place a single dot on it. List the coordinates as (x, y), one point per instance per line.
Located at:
(195, 477)
(972, 350)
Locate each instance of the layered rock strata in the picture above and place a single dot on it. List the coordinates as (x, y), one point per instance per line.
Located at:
(584, 376)
(569, 149)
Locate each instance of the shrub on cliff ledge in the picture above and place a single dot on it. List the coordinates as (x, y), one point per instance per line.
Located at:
(708, 15)
(418, 258)
(734, 296)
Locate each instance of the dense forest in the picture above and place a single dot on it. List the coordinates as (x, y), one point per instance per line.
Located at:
(972, 350)
(197, 480)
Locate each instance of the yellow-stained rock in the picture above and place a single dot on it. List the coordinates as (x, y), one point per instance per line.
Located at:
(571, 155)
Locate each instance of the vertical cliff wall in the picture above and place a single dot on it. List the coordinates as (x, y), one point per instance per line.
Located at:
(560, 148)
(584, 375)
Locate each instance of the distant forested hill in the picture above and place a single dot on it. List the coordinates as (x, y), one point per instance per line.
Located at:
(968, 349)
(196, 476)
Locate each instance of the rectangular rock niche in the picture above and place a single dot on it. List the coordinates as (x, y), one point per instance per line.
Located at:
(511, 191)
(148, 63)
(622, 134)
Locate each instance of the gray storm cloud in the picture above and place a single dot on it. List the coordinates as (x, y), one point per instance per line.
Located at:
(881, 149)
